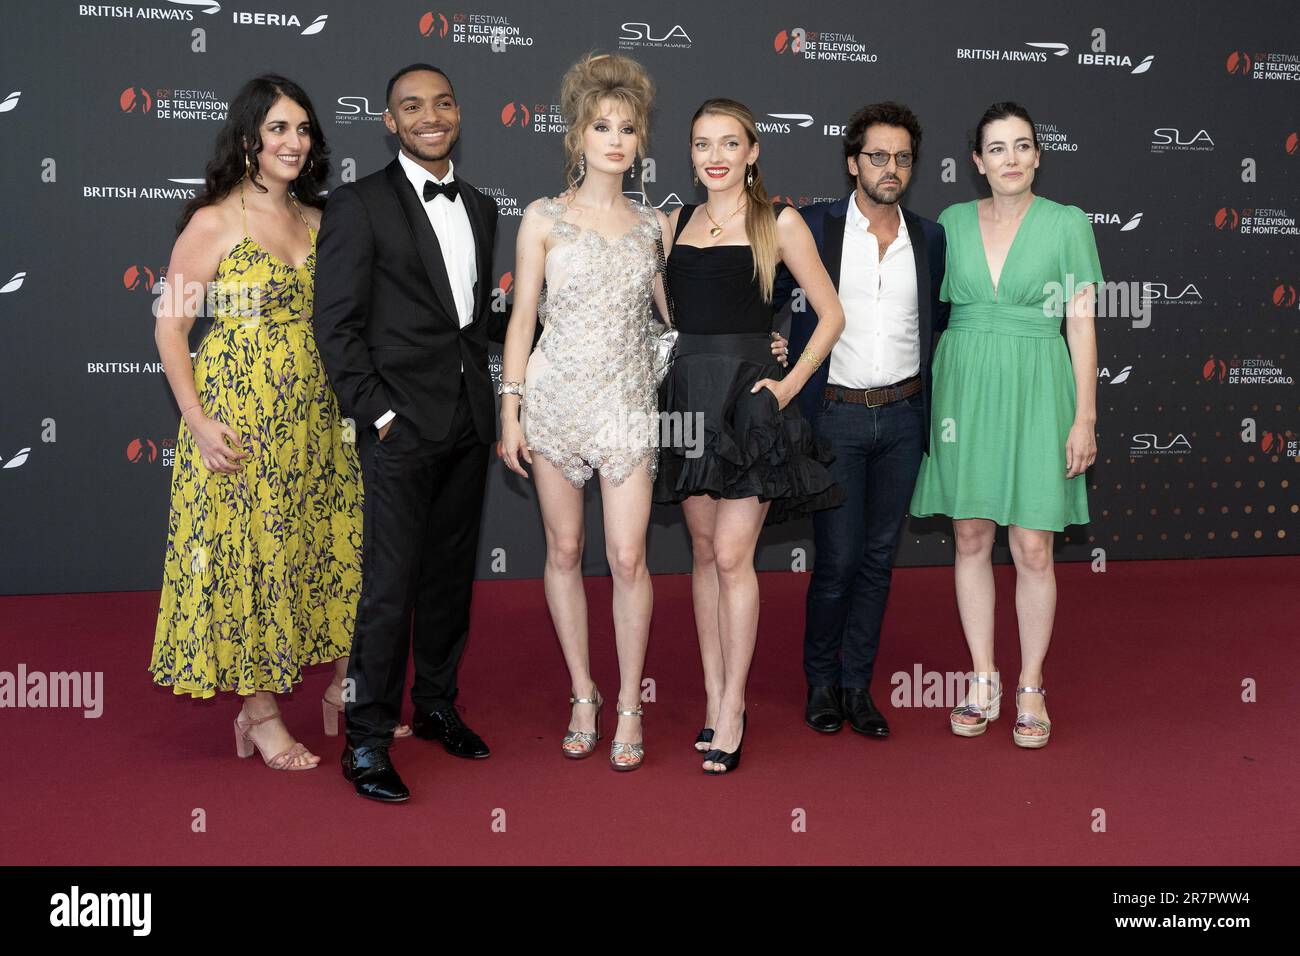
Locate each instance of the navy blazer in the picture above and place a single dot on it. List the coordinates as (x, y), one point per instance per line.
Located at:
(826, 220)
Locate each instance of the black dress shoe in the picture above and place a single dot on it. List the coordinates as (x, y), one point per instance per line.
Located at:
(862, 713)
(823, 713)
(372, 773)
(446, 725)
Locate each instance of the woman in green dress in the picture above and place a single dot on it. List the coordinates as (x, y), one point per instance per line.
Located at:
(1014, 409)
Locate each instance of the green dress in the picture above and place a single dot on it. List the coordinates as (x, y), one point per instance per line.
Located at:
(1004, 396)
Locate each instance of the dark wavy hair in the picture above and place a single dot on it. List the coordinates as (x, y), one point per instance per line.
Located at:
(1001, 111)
(886, 114)
(244, 120)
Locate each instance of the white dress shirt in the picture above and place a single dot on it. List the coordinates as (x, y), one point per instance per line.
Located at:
(450, 222)
(880, 344)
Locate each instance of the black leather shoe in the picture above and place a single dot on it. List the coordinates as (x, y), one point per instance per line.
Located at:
(372, 773)
(862, 714)
(823, 713)
(446, 725)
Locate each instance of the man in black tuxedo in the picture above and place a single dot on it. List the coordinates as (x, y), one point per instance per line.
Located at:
(870, 399)
(403, 273)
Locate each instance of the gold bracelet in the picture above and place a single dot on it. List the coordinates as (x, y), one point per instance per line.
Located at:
(811, 357)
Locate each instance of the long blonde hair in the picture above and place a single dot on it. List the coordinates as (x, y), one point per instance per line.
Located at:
(760, 218)
(594, 78)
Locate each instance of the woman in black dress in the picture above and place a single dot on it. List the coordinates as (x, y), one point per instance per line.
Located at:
(759, 462)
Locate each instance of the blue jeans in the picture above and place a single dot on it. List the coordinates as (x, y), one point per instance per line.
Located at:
(877, 456)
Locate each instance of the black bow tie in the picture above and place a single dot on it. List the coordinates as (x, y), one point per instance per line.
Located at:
(449, 189)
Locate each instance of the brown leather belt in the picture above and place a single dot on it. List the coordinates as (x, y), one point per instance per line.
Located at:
(875, 397)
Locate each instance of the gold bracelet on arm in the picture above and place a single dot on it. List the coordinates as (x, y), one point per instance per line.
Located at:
(811, 357)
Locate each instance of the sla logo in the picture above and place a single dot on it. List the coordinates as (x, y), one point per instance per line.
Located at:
(355, 109)
(1163, 293)
(1214, 369)
(247, 19)
(515, 114)
(1227, 218)
(670, 202)
(10, 101)
(1168, 139)
(642, 34)
(1239, 62)
(1284, 296)
(14, 284)
(506, 283)
(135, 99)
(1114, 219)
(1292, 144)
(1150, 444)
(1120, 377)
(433, 25)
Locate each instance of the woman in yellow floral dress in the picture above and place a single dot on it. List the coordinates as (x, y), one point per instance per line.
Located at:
(263, 568)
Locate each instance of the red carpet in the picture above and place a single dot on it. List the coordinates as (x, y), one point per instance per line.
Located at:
(1145, 677)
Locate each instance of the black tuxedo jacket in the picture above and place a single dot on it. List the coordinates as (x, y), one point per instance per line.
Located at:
(385, 320)
(827, 220)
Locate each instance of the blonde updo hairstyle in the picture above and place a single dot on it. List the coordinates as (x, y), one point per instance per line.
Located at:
(594, 78)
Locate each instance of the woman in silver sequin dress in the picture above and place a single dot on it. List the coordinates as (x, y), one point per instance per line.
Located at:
(587, 266)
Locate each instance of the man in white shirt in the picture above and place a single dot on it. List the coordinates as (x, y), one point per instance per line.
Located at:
(402, 320)
(870, 401)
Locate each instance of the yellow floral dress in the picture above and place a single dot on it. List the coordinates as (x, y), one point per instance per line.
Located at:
(263, 567)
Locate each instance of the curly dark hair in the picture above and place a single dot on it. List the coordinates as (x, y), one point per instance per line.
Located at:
(247, 111)
(999, 111)
(888, 113)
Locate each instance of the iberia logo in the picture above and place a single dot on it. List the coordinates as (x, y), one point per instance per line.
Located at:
(141, 450)
(138, 278)
(790, 41)
(1284, 296)
(1226, 218)
(135, 99)
(433, 24)
(1239, 62)
(1214, 369)
(515, 114)
(507, 282)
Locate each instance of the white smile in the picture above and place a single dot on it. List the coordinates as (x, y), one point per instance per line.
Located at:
(716, 172)
(289, 159)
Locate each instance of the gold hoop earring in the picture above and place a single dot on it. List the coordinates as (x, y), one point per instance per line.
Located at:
(248, 167)
(695, 177)
(749, 175)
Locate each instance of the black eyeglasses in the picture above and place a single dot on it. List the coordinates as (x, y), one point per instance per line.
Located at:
(880, 158)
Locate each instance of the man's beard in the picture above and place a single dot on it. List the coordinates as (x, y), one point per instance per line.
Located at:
(880, 197)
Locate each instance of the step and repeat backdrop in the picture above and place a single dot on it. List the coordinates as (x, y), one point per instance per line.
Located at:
(1174, 126)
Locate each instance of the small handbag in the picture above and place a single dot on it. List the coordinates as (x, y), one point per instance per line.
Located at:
(663, 338)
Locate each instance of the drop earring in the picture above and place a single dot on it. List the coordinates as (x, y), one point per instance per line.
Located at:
(582, 166)
(749, 175)
(248, 167)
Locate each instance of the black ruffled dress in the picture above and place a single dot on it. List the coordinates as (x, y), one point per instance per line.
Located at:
(719, 439)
